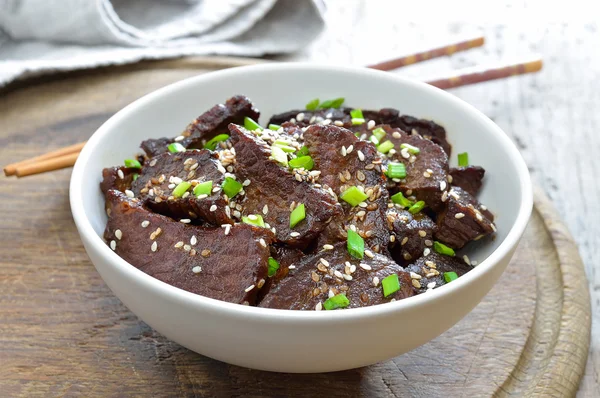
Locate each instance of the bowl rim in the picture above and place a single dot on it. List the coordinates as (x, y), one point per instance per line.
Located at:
(187, 298)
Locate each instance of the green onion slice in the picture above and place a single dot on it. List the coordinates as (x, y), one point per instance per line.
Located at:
(335, 302)
(302, 161)
(254, 219)
(312, 105)
(443, 249)
(450, 276)
(176, 147)
(463, 159)
(133, 164)
(410, 149)
(297, 215)
(181, 188)
(274, 127)
(273, 267)
(204, 188)
(379, 133)
(356, 114)
(396, 170)
(385, 147)
(251, 124)
(355, 244)
(374, 140)
(353, 196)
(401, 200)
(213, 142)
(136, 176)
(390, 284)
(417, 207)
(334, 103)
(279, 155)
(231, 187)
(357, 121)
(285, 146)
(302, 151)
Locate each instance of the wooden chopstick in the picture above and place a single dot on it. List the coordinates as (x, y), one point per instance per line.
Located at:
(429, 54)
(56, 163)
(11, 169)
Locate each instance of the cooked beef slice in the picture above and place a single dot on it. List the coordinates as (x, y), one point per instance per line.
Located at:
(412, 234)
(431, 269)
(111, 178)
(463, 220)
(208, 125)
(271, 190)
(358, 164)
(161, 175)
(312, 280)
(426, 172)
(170, 251)
(468, 178)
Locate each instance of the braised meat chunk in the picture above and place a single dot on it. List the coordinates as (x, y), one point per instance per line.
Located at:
(167, 185)
(119, 178)
(463, 220)
(468, 178)
(318, 277)
(412, 233)
(428, 271)
(228, 264)
(211, 123)
(272, 192)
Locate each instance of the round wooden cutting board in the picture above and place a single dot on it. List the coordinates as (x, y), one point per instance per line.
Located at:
(62, 332)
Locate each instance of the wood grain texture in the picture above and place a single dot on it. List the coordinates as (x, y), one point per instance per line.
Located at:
(63, 333)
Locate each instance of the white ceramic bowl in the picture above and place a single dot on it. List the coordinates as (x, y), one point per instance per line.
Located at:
(301, 341)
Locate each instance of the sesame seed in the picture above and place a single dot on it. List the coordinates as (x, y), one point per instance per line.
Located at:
(412, 159)
(227, 228)
(343, 151)
(120, 174)
(326, 122)
(371, 124)
(154, 246)
(312, 119)
(129, 193)
(361, 156)
(118, 234)
(331, 293)
(185, 220)
(193, 240)
(416, 283)
(300, 117)
(324, 262)
(246, 183)
(145, 223)
(414, 275)
(429, 171)
(203, 196)
(426, 252)
(213, 208)
(327, 247)
(478, 216)
(252, 217)
(347, 277)
(179, 244)
(483, 207)
(449, 178)
(473, 263)
(369, 253)
(396, 134)
(426, 174)
(364, 266)
(338, 274)
(205, 253)
(338, 123)
(445, 196)
(442, 185)
(113, 244)
(196, 269)
(375, 281)
(155, 234)
(422, 233)
(319, 306)
(404, 153)
(392, 238)
(216, 189)
(428, 242)
(262, 242)
(228, 211)
(431, 285)
(493, 227)
(459, 215)
(151, 192)
(294, 234)
(404, 241)
(292, 267)
(349, 149)
(363, 204)
(260, 283)
(187, 248)
(249, 288)
(430, 264)
(407, 256)
(265, 209)
(466, 259)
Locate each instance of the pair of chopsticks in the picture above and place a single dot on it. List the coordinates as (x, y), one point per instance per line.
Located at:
(67, 156)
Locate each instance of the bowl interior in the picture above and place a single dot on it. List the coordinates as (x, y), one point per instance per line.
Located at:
(278, 88)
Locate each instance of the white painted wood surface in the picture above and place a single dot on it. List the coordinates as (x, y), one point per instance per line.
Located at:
(552, 116)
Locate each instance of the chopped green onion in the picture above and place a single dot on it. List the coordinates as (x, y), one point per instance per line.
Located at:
(401, 200)
(450, 276)
(302, 151)
(254, 219)
(312, 105)
(410, 149)
(355, 244)
(231, 187)
(417, 207)
(396, 170)
(463, 159)
(443, 249)
(135, 176)
(357, 121)
(251, 124)
(133, 164)
(273, 267)
(356, 114)
(297, 215)
(279, 155)
(204, 188)
(176, 147)
(353, 195)
(274, 127)
(213, 142)
(390, 284)
(181, 188)
(334, 103)
(385, 147)
(302, 161)
(379, 133)
(335, 302)
(284, 145)
(374, 140)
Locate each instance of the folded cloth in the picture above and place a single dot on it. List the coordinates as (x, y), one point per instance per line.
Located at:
(43, 36)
